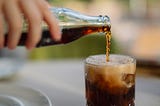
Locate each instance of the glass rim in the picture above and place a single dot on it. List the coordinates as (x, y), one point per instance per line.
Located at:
(133, 60)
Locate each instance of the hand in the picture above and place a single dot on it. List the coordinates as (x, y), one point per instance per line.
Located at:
(35, 11)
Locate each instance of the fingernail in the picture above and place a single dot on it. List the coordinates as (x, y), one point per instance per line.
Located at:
(58, 37)
(29, 48)
(1, 46)
(11, 48)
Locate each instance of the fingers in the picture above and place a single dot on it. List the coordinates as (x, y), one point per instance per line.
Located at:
(50, 19)
(34, 11)
(1, 32)
(53, 25)
(34, 18)
(13, 18)
(1, 27)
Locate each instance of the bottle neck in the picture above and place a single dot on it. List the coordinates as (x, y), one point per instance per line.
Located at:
(71, 18)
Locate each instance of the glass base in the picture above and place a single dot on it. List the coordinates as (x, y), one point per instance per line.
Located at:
(9, 101)
(14, 95)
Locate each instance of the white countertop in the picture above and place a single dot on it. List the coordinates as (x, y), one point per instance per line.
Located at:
(63, 82)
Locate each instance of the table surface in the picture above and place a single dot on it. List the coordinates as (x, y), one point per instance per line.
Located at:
(63, 82)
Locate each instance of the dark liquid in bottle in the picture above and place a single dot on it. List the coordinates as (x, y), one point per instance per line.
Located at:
(96, 96)
(69, 34)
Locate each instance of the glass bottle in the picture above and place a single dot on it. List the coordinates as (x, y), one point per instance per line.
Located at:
(73, 26)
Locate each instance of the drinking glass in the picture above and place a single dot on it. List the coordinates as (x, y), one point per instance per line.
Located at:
(110, 83)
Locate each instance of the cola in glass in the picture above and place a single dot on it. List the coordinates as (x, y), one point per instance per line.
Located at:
(110, 83)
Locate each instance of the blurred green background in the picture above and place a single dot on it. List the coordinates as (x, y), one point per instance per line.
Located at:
(81, 48)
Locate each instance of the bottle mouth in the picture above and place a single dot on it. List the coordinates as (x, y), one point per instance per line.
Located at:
(105, 19)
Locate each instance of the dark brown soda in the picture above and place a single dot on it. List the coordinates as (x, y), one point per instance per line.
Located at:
(69, 34)
(108, 44)
(98, 97)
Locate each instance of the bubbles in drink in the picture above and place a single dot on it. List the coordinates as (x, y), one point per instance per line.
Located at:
(129, 79)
